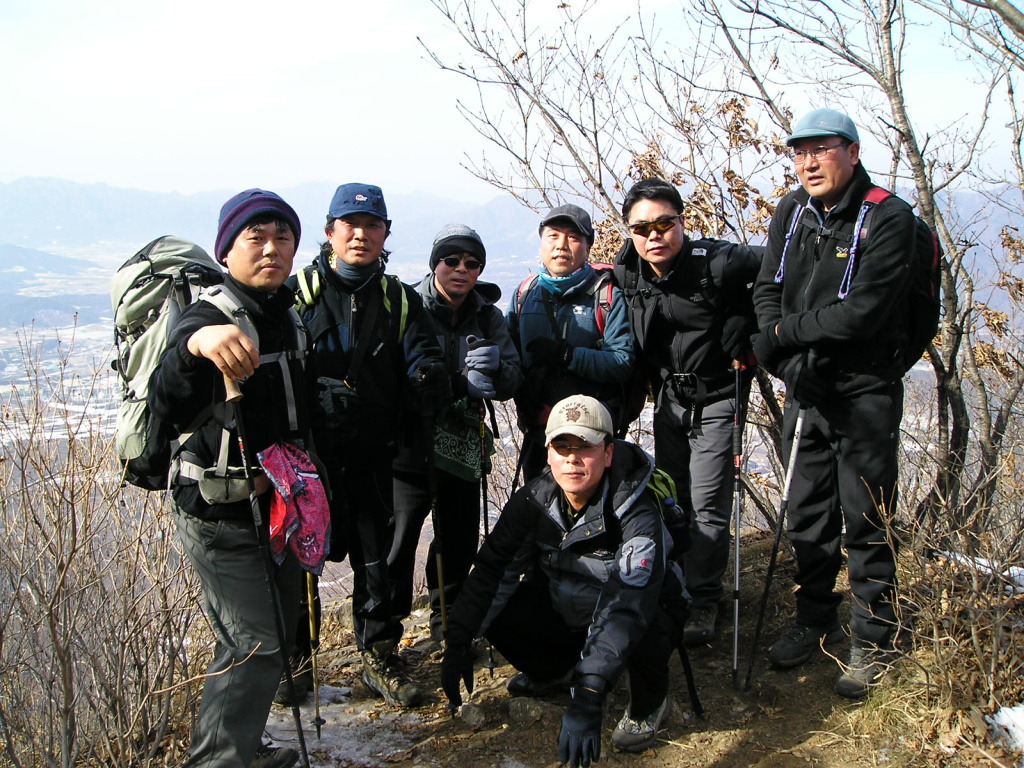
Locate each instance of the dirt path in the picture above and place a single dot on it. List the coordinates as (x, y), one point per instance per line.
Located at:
(788, 719)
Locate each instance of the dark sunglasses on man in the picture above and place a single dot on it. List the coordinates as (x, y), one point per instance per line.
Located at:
(452, 262)
(660, 225)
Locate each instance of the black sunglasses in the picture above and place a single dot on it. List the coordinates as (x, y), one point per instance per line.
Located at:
(453, 262)
(662, 225)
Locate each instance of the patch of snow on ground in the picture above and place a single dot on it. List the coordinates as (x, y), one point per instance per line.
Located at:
(1008, 727)
(355, 732)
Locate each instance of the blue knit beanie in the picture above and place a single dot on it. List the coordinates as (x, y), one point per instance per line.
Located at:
(243, 208)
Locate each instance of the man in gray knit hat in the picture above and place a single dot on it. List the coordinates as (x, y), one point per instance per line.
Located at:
(483, 365)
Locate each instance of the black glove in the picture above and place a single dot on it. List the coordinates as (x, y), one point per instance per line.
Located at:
(433, 386)
(804, 383)
(553, 354)
(456, 665)
(766, 347)
(579, 743)
(736, 336)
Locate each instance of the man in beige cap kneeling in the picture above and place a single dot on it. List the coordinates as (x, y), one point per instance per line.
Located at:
(588, 540)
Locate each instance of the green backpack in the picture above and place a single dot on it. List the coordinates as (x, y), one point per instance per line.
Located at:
(676, 517)
(148, 294)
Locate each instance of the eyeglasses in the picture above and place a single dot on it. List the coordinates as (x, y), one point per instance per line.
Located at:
(801, 156)
(563, 447)
(453, 262)
(661, 225)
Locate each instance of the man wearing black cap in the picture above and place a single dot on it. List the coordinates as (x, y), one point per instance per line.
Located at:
(829, 300)
(256, 241)
(570, 326)
(483, 365)
(376, 357)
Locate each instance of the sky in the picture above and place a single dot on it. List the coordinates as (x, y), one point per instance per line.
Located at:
(202, 95)
(196, 95)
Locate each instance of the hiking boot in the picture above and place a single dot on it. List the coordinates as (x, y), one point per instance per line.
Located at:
(274, 757)
(800, 641)
(700, 627)
(302, 677)
(521, 684)
(637, 735)
(384, 675)
(866, 669)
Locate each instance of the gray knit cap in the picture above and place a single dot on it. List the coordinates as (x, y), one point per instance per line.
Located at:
(457, 238)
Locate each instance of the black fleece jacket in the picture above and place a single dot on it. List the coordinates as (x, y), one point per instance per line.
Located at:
(184, 386)
(857, 338)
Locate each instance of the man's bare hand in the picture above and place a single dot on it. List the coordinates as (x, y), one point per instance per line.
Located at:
(234, 353)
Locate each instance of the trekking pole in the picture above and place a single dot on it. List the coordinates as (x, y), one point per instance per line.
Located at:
(312, 598)
(483, 470)
(779, 525)
(438, 539)
(234, 395)
(483, 493)
(737, 460)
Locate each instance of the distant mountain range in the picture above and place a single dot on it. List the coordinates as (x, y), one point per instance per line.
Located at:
(103, 225)
(95, 227)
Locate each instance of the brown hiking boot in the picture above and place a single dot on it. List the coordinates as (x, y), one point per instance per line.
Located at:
(866, 669)
(384, 674)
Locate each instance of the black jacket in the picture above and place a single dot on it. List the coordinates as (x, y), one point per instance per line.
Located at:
(478, 316)
(605, 573)
(856, 338)
(185, 387)
(398, 347)
(678, 319)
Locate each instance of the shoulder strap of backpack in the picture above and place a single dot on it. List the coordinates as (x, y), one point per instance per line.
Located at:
(874, 196)
(711, 293)
(390, 283)
(798, 213)
(308, 286)
(524, 288)
(603, 299)
(223, 299)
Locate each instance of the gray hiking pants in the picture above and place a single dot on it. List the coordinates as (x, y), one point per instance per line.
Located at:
(701, 463)
(247, 665)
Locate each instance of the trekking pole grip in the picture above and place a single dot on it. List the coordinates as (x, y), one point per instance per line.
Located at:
(232, 390)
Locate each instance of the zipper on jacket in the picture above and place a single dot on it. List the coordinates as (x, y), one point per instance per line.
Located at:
(815, 257)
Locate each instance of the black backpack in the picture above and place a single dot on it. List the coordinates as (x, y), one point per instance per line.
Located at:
(923, 309)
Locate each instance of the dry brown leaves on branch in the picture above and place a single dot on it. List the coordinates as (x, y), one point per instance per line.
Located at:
(997, 322)
(607, 242)
(1014, 245)
(988, 355)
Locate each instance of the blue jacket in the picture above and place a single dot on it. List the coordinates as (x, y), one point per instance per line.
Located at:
(601, 363)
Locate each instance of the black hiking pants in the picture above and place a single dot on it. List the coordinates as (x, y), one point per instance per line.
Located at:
(362, 516)
(533, 638)
(458, 520)
(846, 474)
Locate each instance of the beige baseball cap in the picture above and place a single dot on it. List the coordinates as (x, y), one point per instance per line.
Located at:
(580, 416)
